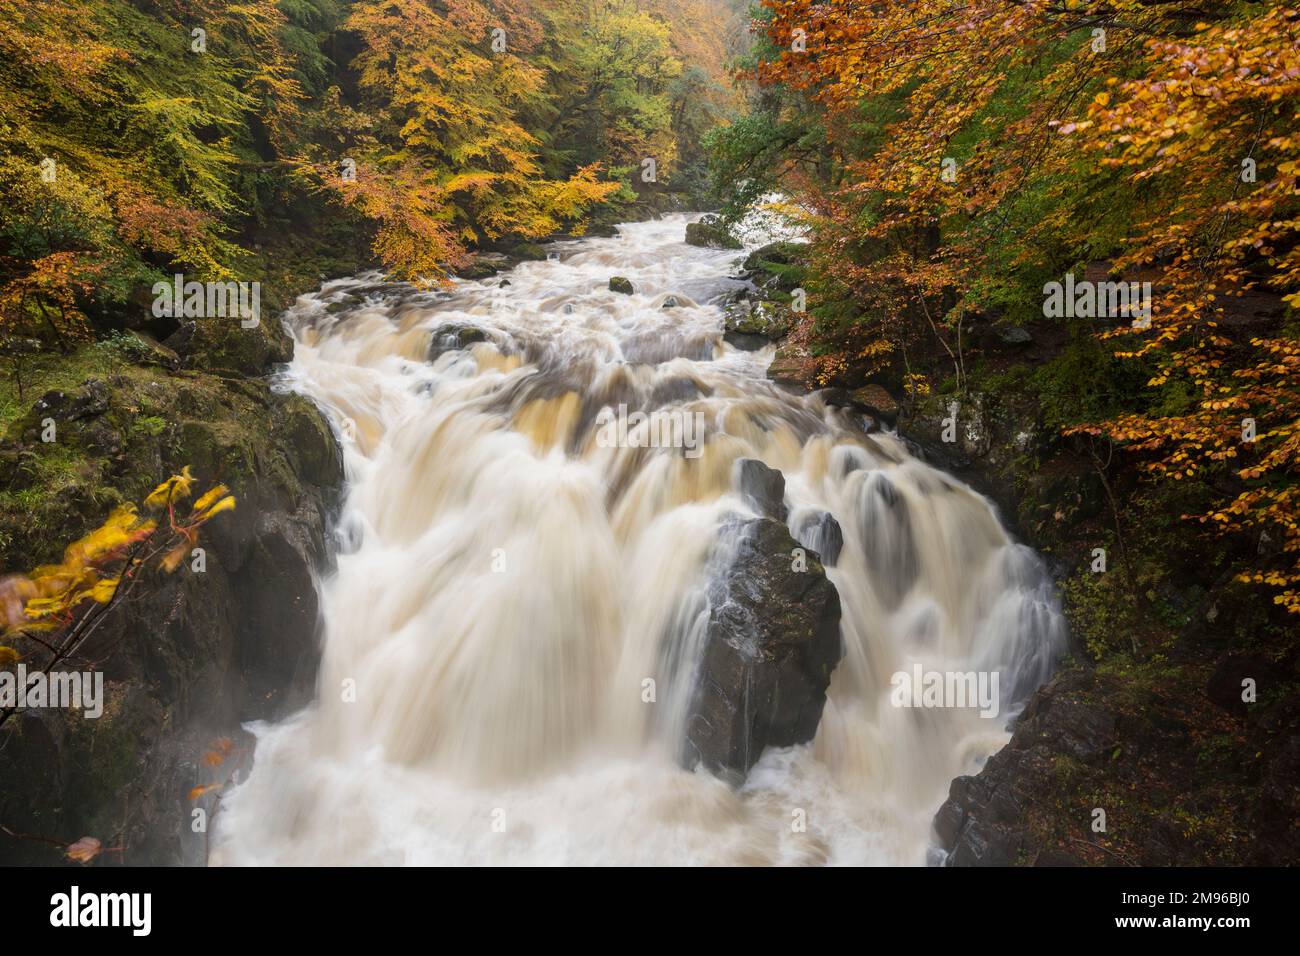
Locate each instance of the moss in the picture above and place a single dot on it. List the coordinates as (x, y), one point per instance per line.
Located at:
(147, 423)
(150, 425)
(49, 372)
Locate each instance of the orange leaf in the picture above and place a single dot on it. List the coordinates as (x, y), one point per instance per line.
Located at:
(213, 759)
(84, 850)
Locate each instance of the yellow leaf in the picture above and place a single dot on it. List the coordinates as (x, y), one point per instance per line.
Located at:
(225, 504)
(171, 490)
(8, 655)
(102, 591)
(211, 495)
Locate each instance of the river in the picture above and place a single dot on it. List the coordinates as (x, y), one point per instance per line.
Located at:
(509, 577)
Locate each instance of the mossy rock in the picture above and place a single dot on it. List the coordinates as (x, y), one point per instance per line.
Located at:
(479, 269)
(527, 252)
(224, 346)
(711, 233)
(782, 253)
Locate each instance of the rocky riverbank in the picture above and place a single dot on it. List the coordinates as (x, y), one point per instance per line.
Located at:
(192, 655)
(1145, 721)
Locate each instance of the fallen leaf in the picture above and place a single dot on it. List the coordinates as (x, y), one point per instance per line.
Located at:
(84, 850)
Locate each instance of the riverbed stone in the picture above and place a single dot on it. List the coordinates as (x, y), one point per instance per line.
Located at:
(763, 488)
(772, 642)
(454, 336)
(793, 366)
(711, 233)
(752, 325)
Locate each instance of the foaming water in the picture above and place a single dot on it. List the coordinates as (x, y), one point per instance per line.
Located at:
(508, 579)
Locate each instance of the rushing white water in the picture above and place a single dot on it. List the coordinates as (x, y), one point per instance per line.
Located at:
(505, 584)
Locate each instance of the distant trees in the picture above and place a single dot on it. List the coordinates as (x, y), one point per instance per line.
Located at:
(141, 139)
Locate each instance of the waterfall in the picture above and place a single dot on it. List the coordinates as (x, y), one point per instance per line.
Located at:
(515, 561)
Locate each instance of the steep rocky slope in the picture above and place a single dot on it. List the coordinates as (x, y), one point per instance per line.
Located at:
(191, 655)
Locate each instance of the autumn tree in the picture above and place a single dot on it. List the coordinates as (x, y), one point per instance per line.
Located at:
(967, 153)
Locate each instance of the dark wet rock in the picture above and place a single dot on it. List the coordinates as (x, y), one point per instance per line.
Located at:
(734, 296)
(452, 337)
(377, 291)
(794, 367)
(876, 402)
(193, 655)
(670, 303)
(871, 400)
(745, 342)
(984, 821)
(772, 642)
(776, 267)
(479, 269)
(1072, 752)
(763, 488)
(621, 285)
(88, 401)
(822, 533)
(181, 342)
(752, 325)
(990, 445)
(711, 233)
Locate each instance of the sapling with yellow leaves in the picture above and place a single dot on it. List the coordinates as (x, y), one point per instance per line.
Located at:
(53, 610)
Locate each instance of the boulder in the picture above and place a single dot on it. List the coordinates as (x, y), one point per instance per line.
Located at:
(772, 641)
(752, 325)
(763, 488)
(781, 253)
(876, 402)
(527, 252)
(776, 267)
(621, 285)
(711, 233)
(452, 337)
(190, 657)
(794, 367)
(870, 400)
(479, 269)
(1011, 336)
(90, 401)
